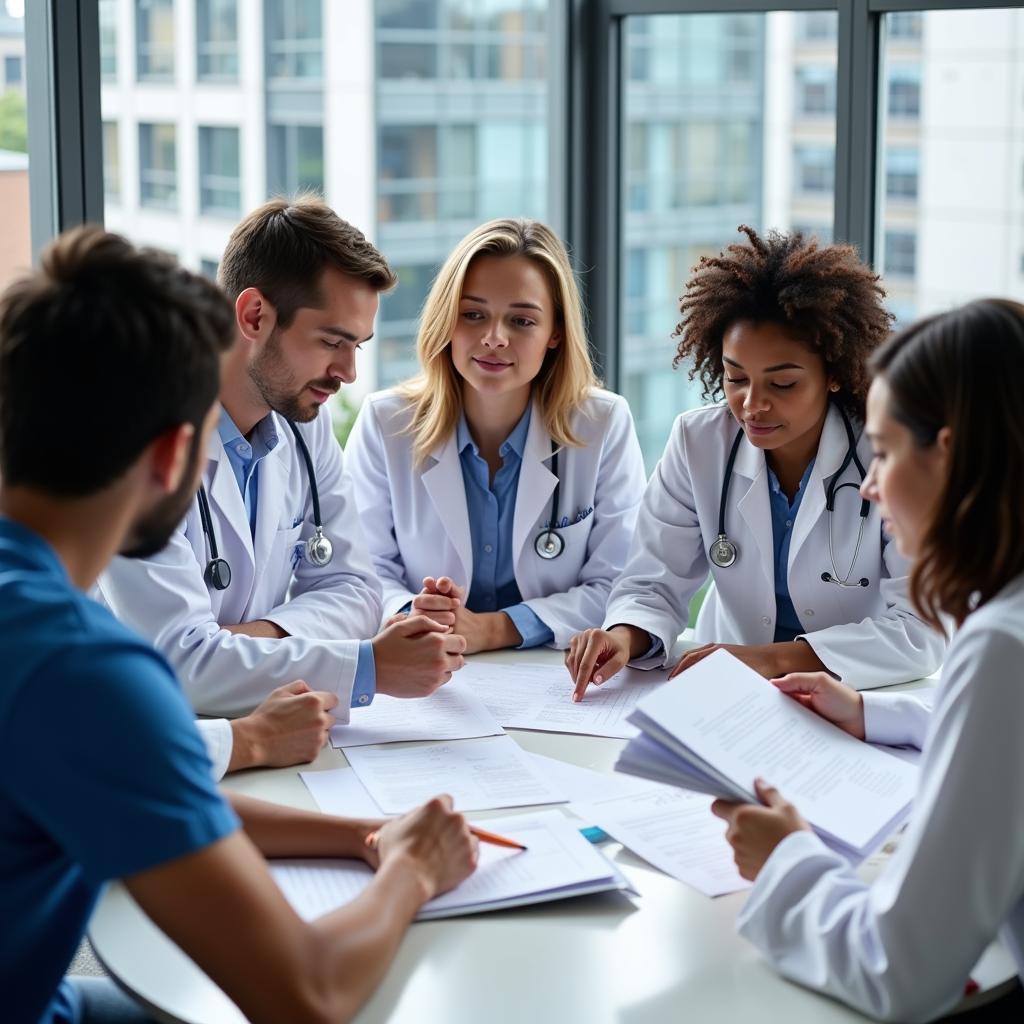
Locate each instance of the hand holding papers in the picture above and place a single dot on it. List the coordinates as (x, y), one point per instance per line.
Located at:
(558, 863)
(721, 725)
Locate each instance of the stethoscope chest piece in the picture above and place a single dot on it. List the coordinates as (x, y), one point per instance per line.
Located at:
(218, 574)
(723, 551)
(549, 544)
(319, 549)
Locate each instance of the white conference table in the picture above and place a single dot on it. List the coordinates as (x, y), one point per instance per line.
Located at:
(670, 954)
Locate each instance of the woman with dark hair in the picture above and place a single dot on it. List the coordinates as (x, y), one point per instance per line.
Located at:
(943, 417)
(761, 490)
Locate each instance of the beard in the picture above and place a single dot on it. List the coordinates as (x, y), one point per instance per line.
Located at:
(151, 533)
(278, 387)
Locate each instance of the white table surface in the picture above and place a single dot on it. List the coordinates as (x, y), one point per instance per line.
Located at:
(670, 954)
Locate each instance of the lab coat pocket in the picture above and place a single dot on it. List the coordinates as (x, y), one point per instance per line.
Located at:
(288, 547)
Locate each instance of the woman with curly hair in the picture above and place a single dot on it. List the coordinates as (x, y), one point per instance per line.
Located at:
(761, 490)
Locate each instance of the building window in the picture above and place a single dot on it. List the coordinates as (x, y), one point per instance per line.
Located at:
(111, 161)
(295, 159)
(158, 166)
(294, 39)
(901, 171)
(905, 92)
(208, 268)
(407, 162)
(816, 91)
(154, 39)
(817, 26)
(108, 39)
(814, 168)
(904, 25)
(217, 39)
(13, 72)
(220, 189)
(900, 253)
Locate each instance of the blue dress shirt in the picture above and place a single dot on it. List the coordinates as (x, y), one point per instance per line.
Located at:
(787, 624)
(491, 508)
(245, 457)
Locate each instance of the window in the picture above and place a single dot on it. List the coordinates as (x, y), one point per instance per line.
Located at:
(217, 39)
(294, 39)
(154, 39)
(906, 25)
(905, 92)
(13, 72)
(295, 159)
(900, 253)
(814, 169)
(158, 163)
(220, 190)
(901, 173)
(709, 135)
(399, 316)
(111, 161)
(208, 268)
(816, 91)
(108, 39)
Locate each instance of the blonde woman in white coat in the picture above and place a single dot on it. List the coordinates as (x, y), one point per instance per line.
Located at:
(944, 417)
(498, 489)
(781, 328)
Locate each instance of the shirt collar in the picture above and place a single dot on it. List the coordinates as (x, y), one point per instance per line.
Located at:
(516, 441)
(264, 437)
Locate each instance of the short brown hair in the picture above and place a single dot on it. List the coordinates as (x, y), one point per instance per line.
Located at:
(824, 295)
(283, 247)
(962, 370)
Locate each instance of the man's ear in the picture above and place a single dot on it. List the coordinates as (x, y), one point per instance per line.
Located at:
(254, 315)
(169, 456)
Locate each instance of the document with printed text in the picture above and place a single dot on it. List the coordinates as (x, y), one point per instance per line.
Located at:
(453, 712)
(478, 774)
(728, 725)
(558, 863)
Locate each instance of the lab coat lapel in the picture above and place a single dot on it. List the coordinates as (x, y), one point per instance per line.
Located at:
(536, 484)
(831, 451)
(272, 504)
(444, 484)
(230, 524)
(753, 505)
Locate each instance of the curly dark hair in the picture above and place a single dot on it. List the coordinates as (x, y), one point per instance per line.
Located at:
(824, 295)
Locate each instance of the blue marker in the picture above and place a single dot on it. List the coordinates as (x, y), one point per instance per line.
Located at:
(595, 835)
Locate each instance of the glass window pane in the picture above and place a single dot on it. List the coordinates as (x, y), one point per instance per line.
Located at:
(950, 170)
(217, 39)
(108, 39)
(158, 166)
(728, 120)
(154, 39)
(295, 44)
(16, 248)
(220, 188)
(111, 161)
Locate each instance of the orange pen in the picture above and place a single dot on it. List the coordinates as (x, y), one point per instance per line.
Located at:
(482, 834)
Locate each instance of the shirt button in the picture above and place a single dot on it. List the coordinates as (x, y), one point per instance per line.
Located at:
(364, 699)
(488, 548)
(789, 522)
(809, 612)
(766, 619)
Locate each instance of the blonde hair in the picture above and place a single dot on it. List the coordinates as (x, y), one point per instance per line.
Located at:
(565, 379)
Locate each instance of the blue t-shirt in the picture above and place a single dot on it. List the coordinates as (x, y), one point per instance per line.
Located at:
(102, 770)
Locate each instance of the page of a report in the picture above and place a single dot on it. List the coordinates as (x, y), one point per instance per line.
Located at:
(540, 697)
(737, 722)
(674, 831)
(453, 712)
(479, 775)
(557, 862)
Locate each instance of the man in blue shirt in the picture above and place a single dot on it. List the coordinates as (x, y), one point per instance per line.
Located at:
(126, 346)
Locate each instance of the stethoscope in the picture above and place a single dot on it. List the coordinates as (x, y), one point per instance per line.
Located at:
(723, 551)
(318, 549)
(549, 542)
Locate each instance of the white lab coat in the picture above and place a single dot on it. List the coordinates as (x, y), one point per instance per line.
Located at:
(325, 611)
(902, 947)
(417, 523)
(868, 636)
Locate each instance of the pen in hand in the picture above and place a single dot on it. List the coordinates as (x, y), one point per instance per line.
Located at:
(484, 836)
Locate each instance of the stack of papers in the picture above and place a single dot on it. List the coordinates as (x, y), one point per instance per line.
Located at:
(540, 697)
(453, 712)
(719, 726)
(558, 863)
